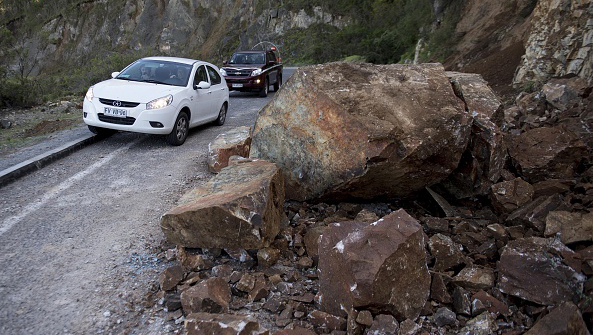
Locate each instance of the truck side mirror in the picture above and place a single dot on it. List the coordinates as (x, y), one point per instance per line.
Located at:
(224, 62)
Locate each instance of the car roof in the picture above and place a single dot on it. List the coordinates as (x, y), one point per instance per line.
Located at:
(176, 59)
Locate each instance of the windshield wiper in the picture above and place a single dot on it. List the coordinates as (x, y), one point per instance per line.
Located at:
(154, 81)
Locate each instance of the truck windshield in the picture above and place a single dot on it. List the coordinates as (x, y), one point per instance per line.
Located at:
(247, 58)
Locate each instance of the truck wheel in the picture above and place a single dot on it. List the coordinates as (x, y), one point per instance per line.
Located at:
(264, 91)
(278, 83)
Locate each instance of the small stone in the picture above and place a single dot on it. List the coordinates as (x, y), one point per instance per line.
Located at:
(444, 316)
(267, 257)
(461, 301)
(326, 322)
(484, 324)
(408, 327)
(365, 318)
(383, 324)
(171, 277)
(275, 279)
(478, 307)
(222, 271)
(246, 283)
(473, 277)
(305, 263)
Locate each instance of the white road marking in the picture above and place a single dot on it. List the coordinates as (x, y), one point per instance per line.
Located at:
(55, 191)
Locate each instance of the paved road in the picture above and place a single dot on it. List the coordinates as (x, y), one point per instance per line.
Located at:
(80, 238)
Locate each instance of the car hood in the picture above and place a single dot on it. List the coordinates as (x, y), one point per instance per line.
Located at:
(243, 66)
(132, 91)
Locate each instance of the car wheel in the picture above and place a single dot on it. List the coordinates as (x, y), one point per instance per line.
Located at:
(221, 115)
(264, 91)
(278, 83)
(102, 132)
(179, 132)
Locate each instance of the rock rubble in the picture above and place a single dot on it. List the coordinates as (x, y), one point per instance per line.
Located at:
(512, 254)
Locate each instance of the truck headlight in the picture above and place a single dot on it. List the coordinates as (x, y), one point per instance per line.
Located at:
(160, 102)
(256, 72)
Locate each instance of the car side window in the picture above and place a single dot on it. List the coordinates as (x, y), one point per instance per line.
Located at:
(200, 75)
(214, 76)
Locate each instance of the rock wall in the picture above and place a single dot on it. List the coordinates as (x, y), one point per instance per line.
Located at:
(560, 42)
(205, 29)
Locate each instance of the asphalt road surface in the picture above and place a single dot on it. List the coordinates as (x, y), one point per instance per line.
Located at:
(80, 242)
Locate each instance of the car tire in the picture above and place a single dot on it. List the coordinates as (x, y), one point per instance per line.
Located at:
(180, 130)
(221, 115)
(264, 91)
(101, 132)
(278, 83)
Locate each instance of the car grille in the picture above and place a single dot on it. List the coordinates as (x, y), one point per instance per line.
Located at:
(128, 121)
(238, 73)
(123, 103)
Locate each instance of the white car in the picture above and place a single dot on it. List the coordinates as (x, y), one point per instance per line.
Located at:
(158, 95)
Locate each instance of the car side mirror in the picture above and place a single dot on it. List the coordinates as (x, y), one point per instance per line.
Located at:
(224, 62)
(202, 86)
(114, 74)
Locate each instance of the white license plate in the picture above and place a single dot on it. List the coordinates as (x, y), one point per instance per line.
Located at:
(108, 111)
(237, 85)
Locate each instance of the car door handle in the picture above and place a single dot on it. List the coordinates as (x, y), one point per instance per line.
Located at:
(209, 92)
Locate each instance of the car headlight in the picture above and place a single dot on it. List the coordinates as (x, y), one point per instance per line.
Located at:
(223, 72)
(89, 94)
(160, 102)
(256, 72)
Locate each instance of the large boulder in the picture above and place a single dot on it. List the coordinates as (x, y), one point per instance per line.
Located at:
(380, 266)
(573, 227)
(240, 208)
(547, 153)
(532, 269)
(342, 130)
(235, 142)
(485, 156)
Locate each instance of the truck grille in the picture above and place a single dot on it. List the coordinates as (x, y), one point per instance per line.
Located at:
(128, 121)
(123, 103)
(238, 73)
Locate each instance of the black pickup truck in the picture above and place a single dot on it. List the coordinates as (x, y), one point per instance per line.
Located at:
(253, 71)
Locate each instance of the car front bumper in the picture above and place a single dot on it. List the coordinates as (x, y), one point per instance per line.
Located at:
(138, 119)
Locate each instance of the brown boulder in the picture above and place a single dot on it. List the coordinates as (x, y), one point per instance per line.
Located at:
(566, 319)
(240, 208)
(171, 277)
(326, 322)
(382, 265)
(222, 324)
(485, 156)
(546, 153)
(235, 142)
(532, 269)
(475, 278)
(342, 130)
(211, 295)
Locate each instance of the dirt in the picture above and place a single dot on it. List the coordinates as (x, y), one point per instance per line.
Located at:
(29, 126)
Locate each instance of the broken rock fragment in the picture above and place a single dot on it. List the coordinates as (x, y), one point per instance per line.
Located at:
(533, 269)
(573, 227)
(343, 130)
(547, 153)
(222, 324)
(211, 296)
(240, 208)
(382, 265)
(234, 142)
(566, 319)
(510, 195)
(448, 254)
(484, 158)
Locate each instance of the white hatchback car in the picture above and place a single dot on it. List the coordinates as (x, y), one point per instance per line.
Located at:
(158, 95)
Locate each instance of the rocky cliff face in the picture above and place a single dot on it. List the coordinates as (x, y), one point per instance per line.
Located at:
(205, 29)
(560, 41)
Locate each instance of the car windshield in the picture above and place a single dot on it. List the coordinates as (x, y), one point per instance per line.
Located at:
(158, 72)
(247, 58)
